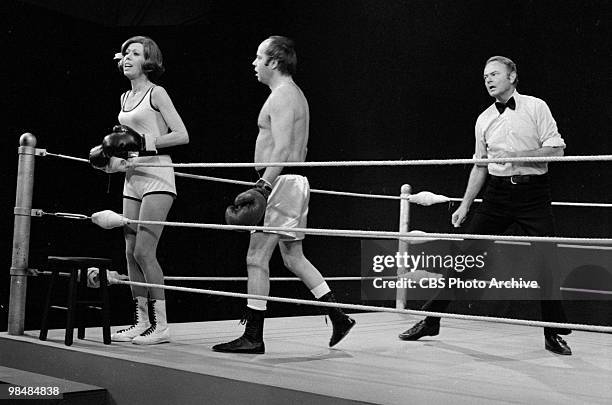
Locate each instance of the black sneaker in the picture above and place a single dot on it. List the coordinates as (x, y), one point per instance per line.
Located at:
(241, 345)
(419, 330)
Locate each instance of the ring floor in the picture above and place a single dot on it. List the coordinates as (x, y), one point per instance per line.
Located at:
(468, 363)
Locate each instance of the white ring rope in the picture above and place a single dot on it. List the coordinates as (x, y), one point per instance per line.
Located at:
(348, 278)
(421, 162)
(115, 220)
(312, 190)
(568, 204)
(584, 290)
(343, 193)
(211, 279)
(57, 155)
(296, 279)
(381, 196)
(247, 183)
(540, 159)
(591, 328)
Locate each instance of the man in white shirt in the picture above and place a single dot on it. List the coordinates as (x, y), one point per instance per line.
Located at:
(517, 193)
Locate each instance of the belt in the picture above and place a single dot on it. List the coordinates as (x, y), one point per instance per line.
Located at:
(286, 170)
(522, 178)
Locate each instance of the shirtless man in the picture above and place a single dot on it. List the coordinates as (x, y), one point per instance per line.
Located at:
(283, 137)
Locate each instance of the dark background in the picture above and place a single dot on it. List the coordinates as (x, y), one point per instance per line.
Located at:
(385, 80)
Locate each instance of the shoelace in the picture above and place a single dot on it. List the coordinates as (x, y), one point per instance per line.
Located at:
(127, 329)
(149, 331)
(246, 316)
(153, 320)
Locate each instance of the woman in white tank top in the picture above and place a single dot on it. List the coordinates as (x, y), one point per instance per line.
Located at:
(148, 192)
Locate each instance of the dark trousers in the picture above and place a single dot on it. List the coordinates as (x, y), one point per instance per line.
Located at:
(527, 205)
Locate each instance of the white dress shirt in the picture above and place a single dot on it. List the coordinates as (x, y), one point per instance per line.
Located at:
(529, 126)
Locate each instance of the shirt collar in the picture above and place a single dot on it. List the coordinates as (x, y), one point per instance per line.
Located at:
(516, 96)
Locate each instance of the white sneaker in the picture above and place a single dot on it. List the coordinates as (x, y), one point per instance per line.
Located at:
(126, 335)
(153, 336)
(141, 322)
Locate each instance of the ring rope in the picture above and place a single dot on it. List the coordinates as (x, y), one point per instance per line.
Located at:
(369, 308)
(185, 278)
(585, 290)
(589, 158)
(57, 155)
(421, 162)
(247, 183)
(318, 191)
(538, 159)
(361, 233)
(569, 204)
(347, 278)
(381, 196)
(312, 190)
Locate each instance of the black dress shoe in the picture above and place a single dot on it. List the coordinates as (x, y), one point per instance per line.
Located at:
(341, 329)
(556, 344)
(241, 345)
(419, 330)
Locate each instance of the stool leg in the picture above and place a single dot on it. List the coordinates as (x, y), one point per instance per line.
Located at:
(105, 307)
(80, 309)
(72, 291)
(44, 328)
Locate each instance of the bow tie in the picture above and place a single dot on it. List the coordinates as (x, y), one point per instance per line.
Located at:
(501, 107)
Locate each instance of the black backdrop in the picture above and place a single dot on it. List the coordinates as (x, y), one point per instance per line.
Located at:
(385, 80)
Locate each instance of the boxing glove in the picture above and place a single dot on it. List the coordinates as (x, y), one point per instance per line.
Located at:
(100, 161)
(249, 207)
(97, 157)
(124, 142)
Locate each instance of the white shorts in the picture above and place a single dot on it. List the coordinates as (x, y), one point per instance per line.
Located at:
(288, 205)
(143, 180)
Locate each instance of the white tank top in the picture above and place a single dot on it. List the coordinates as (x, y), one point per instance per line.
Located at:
(144, 118)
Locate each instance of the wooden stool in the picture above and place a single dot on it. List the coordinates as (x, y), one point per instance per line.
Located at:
(77, 287)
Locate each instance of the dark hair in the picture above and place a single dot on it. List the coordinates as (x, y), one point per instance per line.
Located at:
(509, 64)
(153, 65)
(282, 50)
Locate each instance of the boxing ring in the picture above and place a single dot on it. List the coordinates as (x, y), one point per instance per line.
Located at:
(494, 360)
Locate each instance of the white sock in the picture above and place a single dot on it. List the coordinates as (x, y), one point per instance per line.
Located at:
(320, 290)
(257, 305)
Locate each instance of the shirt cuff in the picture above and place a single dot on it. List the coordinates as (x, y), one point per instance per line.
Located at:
(554, 143)
(475, 156)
